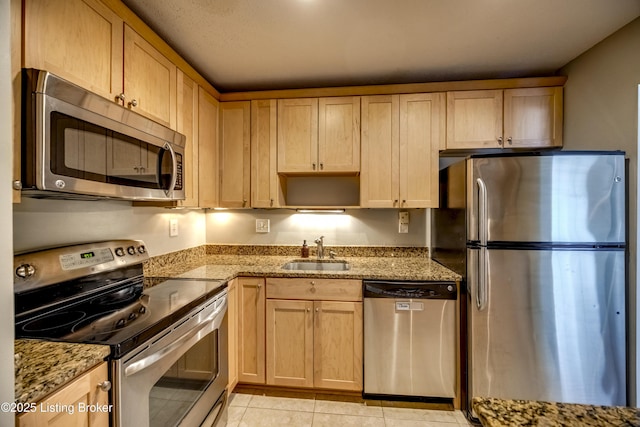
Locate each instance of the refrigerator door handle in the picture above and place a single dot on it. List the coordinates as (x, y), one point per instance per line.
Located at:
(481, 292)
(482, 212)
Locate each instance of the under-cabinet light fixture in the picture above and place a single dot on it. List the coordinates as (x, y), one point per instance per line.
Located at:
(334, 211)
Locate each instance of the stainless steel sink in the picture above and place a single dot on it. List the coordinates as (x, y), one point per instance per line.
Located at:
(317, 265)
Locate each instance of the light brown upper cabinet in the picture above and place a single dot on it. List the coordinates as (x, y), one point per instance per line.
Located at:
(149, 80)
(401, 136)
(265, 184)
(319, 135)
(510, 118)
(98, 51)
(235, 156)
(187, 124)
(78, 40)
(209, 154)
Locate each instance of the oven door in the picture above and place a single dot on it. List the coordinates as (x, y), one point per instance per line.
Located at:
(177, 378)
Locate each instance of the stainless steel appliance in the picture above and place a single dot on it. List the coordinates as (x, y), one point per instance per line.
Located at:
(77, 144)
(409, 338)
(541, 239)
(168, 360)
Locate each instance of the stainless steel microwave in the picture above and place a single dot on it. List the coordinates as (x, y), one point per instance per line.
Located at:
(79, 145)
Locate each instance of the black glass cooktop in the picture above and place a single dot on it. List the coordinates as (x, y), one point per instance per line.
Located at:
(123, 316)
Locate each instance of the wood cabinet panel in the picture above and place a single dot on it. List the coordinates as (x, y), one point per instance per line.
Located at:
(251, 324)
(379, 175)
(533, 117)
(474, 119)
(314, 289)
(233, 333)
(338, 348)
(149, 80)
(78, 40)
(339, 134)
(289, 343)
(422, 132)
(266, 191)
(235, 157)
(208, 157)
(297, 135)
(83, 390)
(187, 124)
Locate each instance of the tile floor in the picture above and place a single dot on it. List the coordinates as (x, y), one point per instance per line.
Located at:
(256, 408)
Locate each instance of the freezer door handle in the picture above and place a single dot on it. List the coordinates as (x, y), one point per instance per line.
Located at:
(482, 212)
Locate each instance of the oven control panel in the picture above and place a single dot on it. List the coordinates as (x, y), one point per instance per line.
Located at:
(49, 266)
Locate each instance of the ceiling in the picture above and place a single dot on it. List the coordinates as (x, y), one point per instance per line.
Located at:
(241, 45)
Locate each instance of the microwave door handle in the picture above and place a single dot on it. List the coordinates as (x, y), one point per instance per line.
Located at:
(174, 170)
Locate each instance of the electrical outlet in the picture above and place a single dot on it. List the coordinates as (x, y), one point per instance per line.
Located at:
(173, 227)
(262, 225)
(403, 222)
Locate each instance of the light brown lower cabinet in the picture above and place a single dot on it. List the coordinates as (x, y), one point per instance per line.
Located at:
(69, 406)
(314, 343)
(251, 329)
(232, 315)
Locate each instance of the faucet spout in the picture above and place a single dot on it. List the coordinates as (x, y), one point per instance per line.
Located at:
(320, 242)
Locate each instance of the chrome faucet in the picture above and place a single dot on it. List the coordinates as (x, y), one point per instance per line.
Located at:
(320, 242)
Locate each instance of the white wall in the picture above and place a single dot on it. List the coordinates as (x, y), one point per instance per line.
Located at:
(6, 251)
(43, 223)
(601, 113)
(355, 227)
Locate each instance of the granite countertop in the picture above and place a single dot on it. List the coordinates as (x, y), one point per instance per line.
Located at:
(226, 267)
(42, 366)
(494, 412)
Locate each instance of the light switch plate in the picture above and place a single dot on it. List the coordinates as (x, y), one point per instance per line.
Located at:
(173, 227)
(403, 222)
(262, 226)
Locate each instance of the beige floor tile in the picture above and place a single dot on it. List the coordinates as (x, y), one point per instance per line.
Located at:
(234, 415)
(335, 420)
(347, 408)
(258, 417)
(282, 403)
(419, 415)
(239, 399)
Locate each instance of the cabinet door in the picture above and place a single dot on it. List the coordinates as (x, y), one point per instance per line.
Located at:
(232, 313)
(338, 345)
(533, 117)
(208, 149)
(187, 124)
(339, 134)
(265, 188)
(379, 186)
(83, 390)
(422, 126)
(290, 343)
(474, 119)
(78, 40)
(149, 80)
(235, 158)
(298, 135)
(251, 338)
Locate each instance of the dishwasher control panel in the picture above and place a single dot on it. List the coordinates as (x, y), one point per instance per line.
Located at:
(409, 290)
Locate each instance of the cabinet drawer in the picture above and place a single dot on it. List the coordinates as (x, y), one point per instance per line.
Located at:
(315, 289)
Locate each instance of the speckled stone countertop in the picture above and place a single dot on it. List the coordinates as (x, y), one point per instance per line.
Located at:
(226, 267)
(41, 367)
(501, 413)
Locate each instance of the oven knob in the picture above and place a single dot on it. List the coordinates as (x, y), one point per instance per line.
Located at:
(142, 249)
(119, 252)
(142, 310)
(120, 323)
(131, 250)
(25, 270)
(132, 316)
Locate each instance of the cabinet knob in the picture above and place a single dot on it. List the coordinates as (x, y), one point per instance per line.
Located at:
(308, 310)
(313, 283)
(317, 310)
(133, 103)
(321, 166)
(271, 202)
(105, 385)
(313, 165)
(500, 140)
(259, 285)
(120, 97)
(510, 140)
(17, 185)
(244, 203)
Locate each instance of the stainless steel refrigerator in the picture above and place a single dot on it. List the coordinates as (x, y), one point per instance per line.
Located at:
(540, 240)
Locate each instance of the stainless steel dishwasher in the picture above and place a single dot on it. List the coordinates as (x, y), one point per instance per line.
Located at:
(409, 338)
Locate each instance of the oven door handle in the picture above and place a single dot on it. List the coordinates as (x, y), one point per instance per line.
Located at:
(147, 361)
